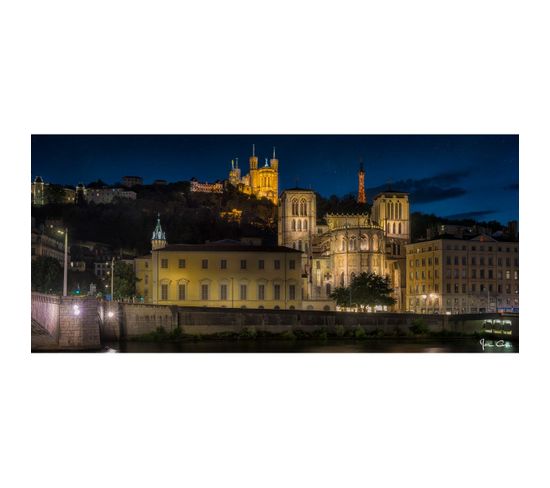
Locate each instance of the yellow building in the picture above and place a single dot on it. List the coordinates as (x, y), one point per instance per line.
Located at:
(219, 274)
(262, 182)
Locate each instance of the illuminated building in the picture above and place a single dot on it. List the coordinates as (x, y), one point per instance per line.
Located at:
(345, 245)
(198, 187)
(219, 274)
(262, 182)
(452, 275)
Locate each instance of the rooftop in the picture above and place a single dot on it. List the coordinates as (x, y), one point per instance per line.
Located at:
(226, 245)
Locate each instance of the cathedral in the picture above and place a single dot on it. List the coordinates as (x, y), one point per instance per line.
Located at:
(262, 182)
(340, 246)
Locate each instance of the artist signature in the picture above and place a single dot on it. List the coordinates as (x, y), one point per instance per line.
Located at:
(499, 343)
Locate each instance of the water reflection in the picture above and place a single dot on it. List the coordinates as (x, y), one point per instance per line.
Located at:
(328, 346)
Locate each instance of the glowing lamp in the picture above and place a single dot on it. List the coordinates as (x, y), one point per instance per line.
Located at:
(110, 314)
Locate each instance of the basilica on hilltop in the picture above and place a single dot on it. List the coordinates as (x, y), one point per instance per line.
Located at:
(262, 182)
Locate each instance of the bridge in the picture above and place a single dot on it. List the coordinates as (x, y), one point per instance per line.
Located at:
(64, 323)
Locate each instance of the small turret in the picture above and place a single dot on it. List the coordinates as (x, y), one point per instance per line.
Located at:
(274, 163)
(158, 241)
(253, 159)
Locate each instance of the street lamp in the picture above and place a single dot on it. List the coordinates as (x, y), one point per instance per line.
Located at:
(65, 260)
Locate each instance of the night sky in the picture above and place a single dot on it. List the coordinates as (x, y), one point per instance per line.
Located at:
(459, 176)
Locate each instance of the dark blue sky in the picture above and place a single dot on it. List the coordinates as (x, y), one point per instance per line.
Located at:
(472, 176)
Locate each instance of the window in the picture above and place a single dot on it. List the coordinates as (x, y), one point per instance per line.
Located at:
(473, 287)
(292, 264)
(456, 261)
(181, 263)
(482, 261)
(243, 292)
(507, 274)
(146, 279)
(243, 263)
(423, 261)
(205, 264)
(164, 263)
(181, 292)
(448, 288)
(508, 262)
(277, 264)
(293, 224)
(164, 292)
(448, 259)
(261, 292)
(223, 264)
(482, 274)
(490, 273)
(305, 225)
(436, 261)
(292, 292)
(490, 261)
(456, 287)
(463, 260)
(204, 292)
(463, 287)
(261, 264)
(328, 289)
(473, 261)
(223, 292)
(515, 275)
(276, 292)
(474, 274)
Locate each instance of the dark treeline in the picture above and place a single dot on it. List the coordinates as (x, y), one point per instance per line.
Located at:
(196, 217)
(186, 217)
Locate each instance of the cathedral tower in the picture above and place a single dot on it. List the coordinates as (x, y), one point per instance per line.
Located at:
(297, 219)
(361, 197)
(158, 241)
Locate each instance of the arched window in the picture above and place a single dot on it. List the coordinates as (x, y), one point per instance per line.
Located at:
(299, 225)
(400, 216)
(365, 243)
(305, 224)
(353, 244)
(300, 245)
(342, 282)
(305, 208)
(375, 243)
(388, 210)
(328, 289)
(294, 207)
(343, 245)
(302, 207)
(388, 227)
(399, 227)
(394, 228)
(293, 224)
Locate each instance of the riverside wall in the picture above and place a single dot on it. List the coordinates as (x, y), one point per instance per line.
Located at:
(133, 320)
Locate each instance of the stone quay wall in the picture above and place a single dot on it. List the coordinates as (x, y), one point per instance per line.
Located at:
(132, 320)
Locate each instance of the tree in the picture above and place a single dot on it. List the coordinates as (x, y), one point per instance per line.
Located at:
(54, 194)
(46, 275)
(366, 289)
(125, 281)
